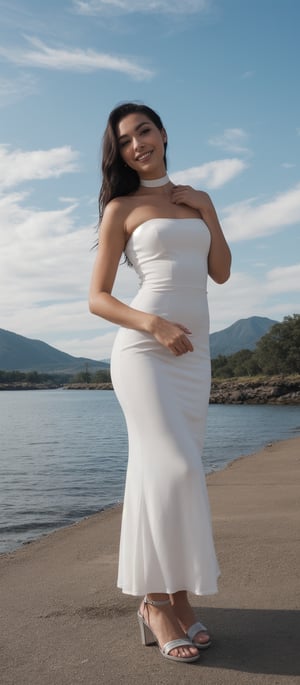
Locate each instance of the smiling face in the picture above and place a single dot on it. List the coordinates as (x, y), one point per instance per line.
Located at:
(142, 145)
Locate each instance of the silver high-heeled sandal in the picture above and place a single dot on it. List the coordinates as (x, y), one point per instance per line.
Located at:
(149, 638)
(191, 633)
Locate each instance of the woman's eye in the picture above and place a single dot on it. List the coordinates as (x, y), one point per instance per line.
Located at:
(145, 130)
(125, 142)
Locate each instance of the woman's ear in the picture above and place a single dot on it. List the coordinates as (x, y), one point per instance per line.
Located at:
(164, 135)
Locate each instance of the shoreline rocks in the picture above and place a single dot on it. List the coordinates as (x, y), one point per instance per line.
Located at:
(273, 390)
(256, 390)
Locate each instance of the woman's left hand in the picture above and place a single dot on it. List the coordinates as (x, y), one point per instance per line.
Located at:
(197, 199)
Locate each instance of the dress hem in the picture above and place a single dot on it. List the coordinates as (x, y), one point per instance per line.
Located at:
(168, 591)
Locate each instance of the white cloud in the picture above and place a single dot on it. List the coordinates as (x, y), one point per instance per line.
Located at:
(17, 166)
(284, 279)
(232, 140)
(245, 221)
(248, 74)
(68, 200)
(212, 174)
(45, 269)
(14, 90)
(96, 347)
(240, 297)
(253, 294)
(93, 7)
(78, 60)
(288, 165)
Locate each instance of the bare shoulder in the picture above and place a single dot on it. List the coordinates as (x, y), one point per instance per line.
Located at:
(114, 211)
(115, 215)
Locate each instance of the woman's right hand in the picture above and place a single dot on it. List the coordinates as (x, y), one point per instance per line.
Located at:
(172, 335)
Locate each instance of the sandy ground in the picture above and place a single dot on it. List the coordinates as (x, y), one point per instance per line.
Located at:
(64, 622)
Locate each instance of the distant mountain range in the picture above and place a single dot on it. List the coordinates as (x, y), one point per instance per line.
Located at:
(241, 335)
(24, 354)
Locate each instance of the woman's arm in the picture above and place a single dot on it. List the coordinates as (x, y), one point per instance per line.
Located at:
(172, 335)
(219, 258)
(110, 248)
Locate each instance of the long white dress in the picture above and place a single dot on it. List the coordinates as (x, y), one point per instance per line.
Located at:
(166, 537)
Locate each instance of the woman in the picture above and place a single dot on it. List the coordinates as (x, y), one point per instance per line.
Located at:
(160, 369)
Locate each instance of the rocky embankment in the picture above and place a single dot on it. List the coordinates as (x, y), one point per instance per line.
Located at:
(28, 386)
(273, 390)
(258, 390)
(263, 390)
(55, 386)
(88, 386)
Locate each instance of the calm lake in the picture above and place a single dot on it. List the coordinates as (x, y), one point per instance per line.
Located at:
(64, 453)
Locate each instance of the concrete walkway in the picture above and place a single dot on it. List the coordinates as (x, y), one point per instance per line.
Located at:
(63, 622)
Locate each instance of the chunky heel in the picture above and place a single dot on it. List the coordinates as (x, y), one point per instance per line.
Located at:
(146, 632)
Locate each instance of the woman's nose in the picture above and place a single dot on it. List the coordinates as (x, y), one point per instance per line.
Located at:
(138, 144)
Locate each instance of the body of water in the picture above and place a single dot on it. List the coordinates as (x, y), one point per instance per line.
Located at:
(64, 453)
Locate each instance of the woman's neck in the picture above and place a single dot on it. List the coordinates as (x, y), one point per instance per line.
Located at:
(158, 182)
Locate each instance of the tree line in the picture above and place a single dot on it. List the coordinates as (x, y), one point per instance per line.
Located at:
(100, 376)
(277, 352)
(59, 379)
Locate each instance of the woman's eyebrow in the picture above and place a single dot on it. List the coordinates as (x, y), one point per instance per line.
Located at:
(125, 135)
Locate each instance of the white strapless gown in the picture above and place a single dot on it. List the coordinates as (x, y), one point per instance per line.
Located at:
(166, 537)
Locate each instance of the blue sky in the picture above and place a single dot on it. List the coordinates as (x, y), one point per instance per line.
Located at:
(223, 75)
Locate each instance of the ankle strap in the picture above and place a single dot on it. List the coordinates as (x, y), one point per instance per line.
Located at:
(157, 603)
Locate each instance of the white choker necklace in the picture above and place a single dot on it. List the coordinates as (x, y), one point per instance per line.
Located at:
(155, 182)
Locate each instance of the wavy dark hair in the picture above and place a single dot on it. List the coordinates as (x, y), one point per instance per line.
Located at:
(117, 178)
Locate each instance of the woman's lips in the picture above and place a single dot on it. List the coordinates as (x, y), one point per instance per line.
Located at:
(144, 157)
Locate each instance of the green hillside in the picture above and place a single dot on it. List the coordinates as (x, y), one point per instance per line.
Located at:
(241, 335)
(25, 354)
